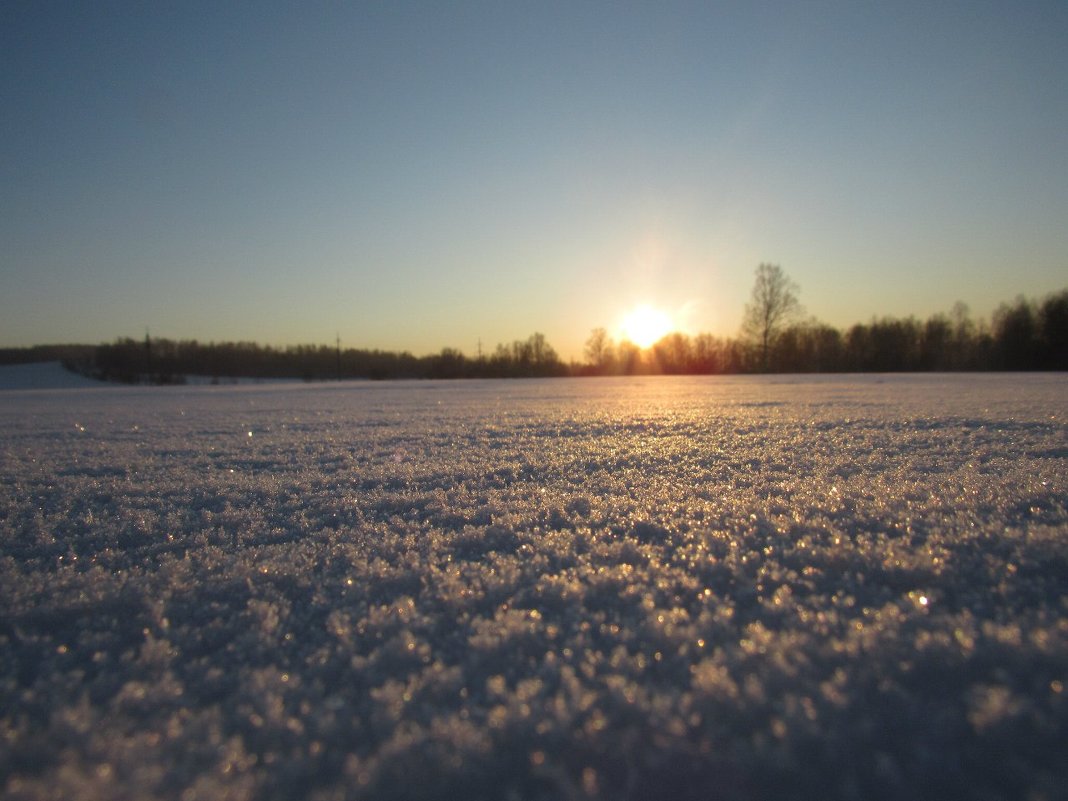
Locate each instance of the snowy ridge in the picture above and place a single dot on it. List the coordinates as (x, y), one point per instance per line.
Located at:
(42, 375)
(836, 587)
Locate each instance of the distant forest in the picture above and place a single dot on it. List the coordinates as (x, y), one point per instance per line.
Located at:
(1023, 335)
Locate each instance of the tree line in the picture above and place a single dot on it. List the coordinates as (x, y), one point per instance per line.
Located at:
(165, 361)
(46, 353)
(1022, 335)
(775, 337)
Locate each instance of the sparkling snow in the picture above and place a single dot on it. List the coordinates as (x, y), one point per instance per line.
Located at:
(730, 588)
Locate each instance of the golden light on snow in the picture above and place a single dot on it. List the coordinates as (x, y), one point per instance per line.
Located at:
(645, 325)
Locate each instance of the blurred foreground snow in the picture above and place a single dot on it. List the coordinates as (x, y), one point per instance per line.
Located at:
(834, 587)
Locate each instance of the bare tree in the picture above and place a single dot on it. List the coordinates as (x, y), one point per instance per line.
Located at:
(674, 353)
(600, 352)
(773, 304)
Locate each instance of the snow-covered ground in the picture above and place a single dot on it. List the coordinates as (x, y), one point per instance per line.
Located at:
(714, 588)
(53, 375)
(42, 375)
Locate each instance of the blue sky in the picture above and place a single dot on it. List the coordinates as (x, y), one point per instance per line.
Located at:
(421, 175)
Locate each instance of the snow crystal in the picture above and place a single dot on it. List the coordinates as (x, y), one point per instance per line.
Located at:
(830, 586)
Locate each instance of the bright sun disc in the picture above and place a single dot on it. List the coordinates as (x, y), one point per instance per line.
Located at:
(644, 326)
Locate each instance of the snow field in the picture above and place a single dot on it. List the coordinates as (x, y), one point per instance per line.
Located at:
(837, 587)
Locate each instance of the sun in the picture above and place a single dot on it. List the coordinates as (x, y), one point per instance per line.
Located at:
(645, 325)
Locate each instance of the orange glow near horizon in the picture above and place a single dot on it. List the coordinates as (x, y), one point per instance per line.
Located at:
(645, 325)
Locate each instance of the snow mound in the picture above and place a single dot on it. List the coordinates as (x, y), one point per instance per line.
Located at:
(42, 375)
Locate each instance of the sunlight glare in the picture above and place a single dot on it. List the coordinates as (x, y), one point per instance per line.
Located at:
(645, 325)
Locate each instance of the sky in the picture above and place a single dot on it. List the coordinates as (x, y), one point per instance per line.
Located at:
(413, 176)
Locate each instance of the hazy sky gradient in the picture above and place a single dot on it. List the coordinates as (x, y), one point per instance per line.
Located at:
(414, 176)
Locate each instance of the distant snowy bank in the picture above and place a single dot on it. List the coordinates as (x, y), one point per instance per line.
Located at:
(42, 375)
(829, 587)
(53, 375)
